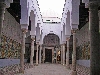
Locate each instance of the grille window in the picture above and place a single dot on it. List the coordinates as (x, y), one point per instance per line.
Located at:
(47, 20)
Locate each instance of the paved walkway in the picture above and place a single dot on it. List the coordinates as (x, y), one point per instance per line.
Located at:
(48, 69)
(43, 69)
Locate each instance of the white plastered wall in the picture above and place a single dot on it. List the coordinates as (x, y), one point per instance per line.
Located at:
(51, 28)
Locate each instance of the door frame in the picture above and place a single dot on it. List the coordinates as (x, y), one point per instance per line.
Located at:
(52, 52)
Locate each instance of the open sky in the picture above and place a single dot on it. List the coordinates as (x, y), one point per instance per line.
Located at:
(55, 5)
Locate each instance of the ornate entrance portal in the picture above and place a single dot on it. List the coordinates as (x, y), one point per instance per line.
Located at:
(51, 43)
(48, 55)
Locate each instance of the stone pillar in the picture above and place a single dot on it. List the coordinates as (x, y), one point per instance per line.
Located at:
(56, 49)
(63, 54)
(52, 55)
(2, 11)
(56, 56)
(43, 54)
(94, 38)
(37, 54)
(40, 54)
(67, 54)
(32, 51)
(22, 50)
(74, 54)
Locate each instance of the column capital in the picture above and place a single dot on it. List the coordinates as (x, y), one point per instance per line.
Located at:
(6, 3)
(63, 44)
(2, 5)
(37, 43)
(74, 30)
(94, 2)
(68, 38)
(24, 30)
(93, 5)
(41, 45)
(32, 38)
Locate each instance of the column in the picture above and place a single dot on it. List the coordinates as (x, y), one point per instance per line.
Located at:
(2, 11)
(56, 55)
(37, 54)
(74, 54)
(22, 50)
(67, 54)
(43, 54)
(52, 55)
(40, 54)
(32, 51)
(63, 54)
(94, 38)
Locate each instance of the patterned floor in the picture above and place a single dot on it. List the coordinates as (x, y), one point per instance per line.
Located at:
(48, 69)
(43, 69)
(82, 70)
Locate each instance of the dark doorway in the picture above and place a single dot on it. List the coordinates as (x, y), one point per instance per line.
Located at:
(48, 55)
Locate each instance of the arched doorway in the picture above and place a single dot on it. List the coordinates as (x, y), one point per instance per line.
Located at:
(50, 42)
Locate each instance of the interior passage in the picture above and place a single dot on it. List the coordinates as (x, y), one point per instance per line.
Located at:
(48, 69)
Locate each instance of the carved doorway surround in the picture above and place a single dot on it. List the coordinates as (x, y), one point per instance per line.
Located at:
(52, 48)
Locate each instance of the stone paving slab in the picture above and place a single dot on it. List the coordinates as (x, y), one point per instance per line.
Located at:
(48, 69)
(55, 69)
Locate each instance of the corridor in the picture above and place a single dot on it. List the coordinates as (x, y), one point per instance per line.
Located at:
(62, 32)
(48, 69)
(54, 69)
(43, 69)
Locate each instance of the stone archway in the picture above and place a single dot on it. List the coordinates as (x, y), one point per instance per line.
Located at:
(50, 41)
